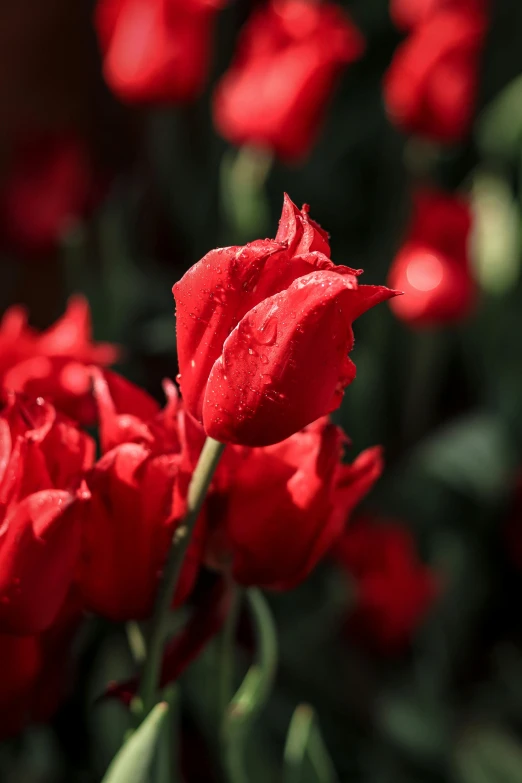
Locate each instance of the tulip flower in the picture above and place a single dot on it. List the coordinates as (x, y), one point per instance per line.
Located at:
(433, 265)
(53, 364)
(275, 511)
(275, 93)
(393, 589)
(138, 495)
(49, 184)
(408, 14)
(430, 87)
(264, 331)
(43, 458)
(156, 51)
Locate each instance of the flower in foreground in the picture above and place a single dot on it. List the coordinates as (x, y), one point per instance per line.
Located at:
(264, 330)
(433, 265)
(275, 93)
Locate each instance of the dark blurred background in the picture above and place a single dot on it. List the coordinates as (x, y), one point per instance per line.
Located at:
(444, 402)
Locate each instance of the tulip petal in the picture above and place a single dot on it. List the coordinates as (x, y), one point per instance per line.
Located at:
(285, 364)
(299, 231)
(40, 547)
(211, 298)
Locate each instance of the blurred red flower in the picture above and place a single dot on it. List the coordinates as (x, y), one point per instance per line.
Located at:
(273, 512)
(53, 363)
(433, 266)
(407, 14)
(250, 318)
(137, 498)
(43, 458)
(49, 184)
(393, 589)
(430, 87)
(156, 51)
(275, 93)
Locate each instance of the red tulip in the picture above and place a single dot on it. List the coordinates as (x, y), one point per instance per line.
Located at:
(407, 14)
(430, 87)
(275, 93)
(42, 461)
(53, 363)
(275, 511)
(433, 265)
(393, 589)
(156, 51)
(264, 331)
(48, 185)
(138, 497)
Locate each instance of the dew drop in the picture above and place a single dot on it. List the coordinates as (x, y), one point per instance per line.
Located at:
(266, 334)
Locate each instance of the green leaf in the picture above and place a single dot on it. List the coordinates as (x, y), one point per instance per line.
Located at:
(500, 126)
(488, 754)
(133, 762)
(306, 759)
(166, 766)
(472, 456)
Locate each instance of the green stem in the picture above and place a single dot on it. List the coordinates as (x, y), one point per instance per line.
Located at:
(226, 652)
(198, 488)
(253, 692)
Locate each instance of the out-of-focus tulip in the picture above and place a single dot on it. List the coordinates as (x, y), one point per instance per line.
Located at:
(48, 185)
(275, 93)
(433, 266)
(430, 87)
(156, 51)
(393, 589)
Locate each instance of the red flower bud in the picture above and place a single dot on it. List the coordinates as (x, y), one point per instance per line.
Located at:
(275, 511)
(430, 87)
(248, 321)
(275, 93)
(393, 589)
(48, 186)
(156, 50)
(433, 265)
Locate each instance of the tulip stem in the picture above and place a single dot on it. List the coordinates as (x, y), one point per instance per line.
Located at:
(197, 491)
(226, 653)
